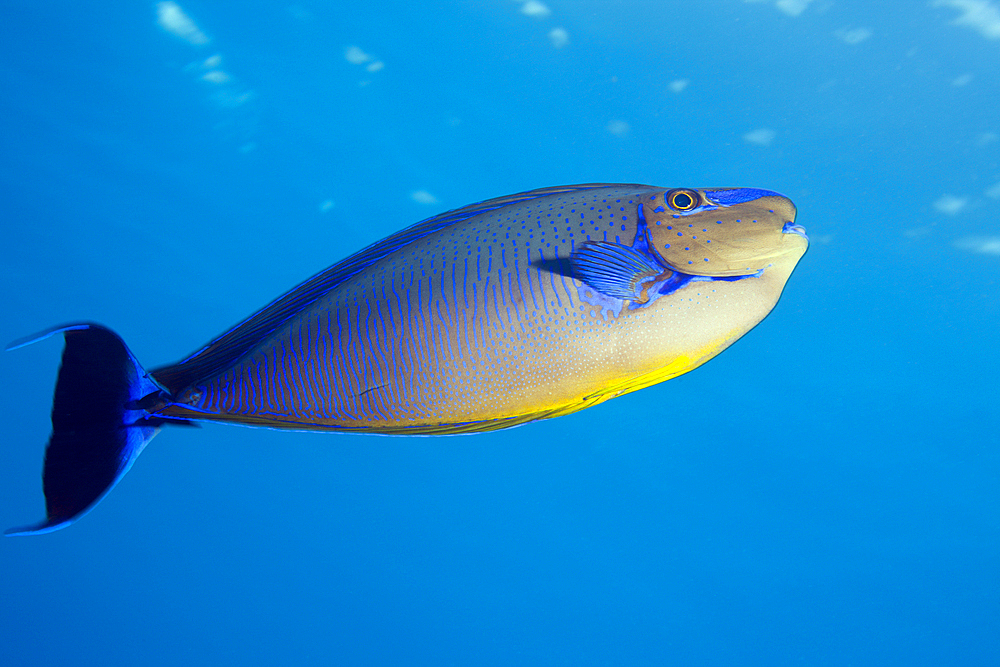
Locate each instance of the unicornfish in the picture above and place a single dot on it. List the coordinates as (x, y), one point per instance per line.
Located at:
(518, 308)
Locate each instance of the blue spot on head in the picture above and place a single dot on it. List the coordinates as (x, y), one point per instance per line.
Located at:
(738, 195)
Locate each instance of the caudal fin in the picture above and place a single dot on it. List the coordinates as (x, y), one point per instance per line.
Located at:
(98, 429)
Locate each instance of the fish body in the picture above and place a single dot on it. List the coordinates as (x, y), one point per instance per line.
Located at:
(479, 319)
(514, 309)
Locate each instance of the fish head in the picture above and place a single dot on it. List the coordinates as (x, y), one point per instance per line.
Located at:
(723, 232)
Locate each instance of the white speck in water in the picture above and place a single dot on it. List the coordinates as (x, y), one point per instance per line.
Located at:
(792, 7)
(986, 138)
(536, 9)
(980, 245)
(558, 37)
(760, 137)
(173, 19)
(979, 15)
(950, 204)
(678, 85)
(215, 76)
(356, 56)
(853, 35)
(619, 128)
(423, 197)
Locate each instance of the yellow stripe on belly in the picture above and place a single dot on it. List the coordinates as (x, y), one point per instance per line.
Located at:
(679, 365)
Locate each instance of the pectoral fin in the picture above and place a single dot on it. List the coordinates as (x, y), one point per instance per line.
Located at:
(616, 270)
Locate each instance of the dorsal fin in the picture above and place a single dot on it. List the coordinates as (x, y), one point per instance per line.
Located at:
(228, 348)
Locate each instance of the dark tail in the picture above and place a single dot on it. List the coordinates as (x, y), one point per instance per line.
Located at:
(98, 426)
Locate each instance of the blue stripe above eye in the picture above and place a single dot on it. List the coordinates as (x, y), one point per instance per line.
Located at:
(738, 195)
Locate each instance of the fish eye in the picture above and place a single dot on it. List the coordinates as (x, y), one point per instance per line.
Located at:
(682, 200)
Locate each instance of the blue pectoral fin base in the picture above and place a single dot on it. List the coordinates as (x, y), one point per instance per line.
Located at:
(96, 431)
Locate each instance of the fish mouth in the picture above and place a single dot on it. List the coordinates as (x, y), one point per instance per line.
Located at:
(793, 228)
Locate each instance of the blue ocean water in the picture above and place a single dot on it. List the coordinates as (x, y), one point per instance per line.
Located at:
(826, 492)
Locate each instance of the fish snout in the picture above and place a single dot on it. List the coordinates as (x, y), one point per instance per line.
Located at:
(791, 227)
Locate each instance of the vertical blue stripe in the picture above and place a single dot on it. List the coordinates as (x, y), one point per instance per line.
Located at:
(447, 334)
(344, 381)
(465, 284)
(385, 344)
(486, 300)
(376, 372)
(358, 362)
(450, 322)
(424, 333)
(296, 399)
(340, 405)
(510, 289)
(552, 277)
(475, 318)
(531, 288)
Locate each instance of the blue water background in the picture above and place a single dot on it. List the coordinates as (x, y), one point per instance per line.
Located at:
(826, 492)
